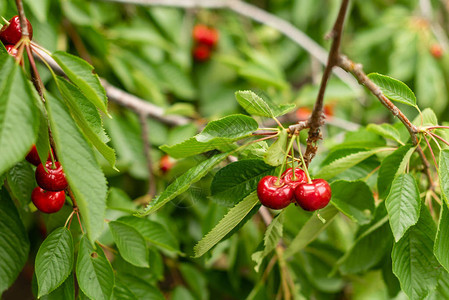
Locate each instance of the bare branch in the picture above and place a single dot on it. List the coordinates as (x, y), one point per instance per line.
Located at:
(145, 132)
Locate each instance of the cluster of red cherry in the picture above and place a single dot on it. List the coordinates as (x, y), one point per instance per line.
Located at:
(294, 187)
(49, 196)
(11, 33)
(206, 39)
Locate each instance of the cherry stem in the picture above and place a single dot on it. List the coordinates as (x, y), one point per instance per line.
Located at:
(431, 151)
(437, 127)
(309, 180)
(284, 162)
(439, 137)
(293, 161)
(69, 218)
(321, 218)
(79, 220)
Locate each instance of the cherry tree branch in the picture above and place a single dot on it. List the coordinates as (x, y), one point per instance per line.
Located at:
(145, 132)
(22, 18)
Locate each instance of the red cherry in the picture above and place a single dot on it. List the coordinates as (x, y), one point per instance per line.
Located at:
(303, 113)
(436, 51)
(205, 35)
(329, 110)
(165, 164)
(11, 50)
(300, 177)
(54, 180)
(274, 195)
(314, 195)
(12, 33)
(201, 53)
(46, 201)
(33, 157)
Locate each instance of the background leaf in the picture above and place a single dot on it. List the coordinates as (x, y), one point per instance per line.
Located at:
(394, 89)
(257, 106)
(441, 248)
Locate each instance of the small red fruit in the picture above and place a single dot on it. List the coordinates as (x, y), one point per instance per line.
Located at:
(300, 177)
(12, 33)
(274, 195)
(54, 180)
(303, 113)
(46, 201)
(436, 51)
(11, 50)
(165, 164)
(33, 157)
(314, 195)
(201, 53)
(205, 35)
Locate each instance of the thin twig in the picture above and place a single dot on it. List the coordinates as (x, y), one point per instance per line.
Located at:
(431, 151)
(145, 133)
(22, 18)
(315, 119)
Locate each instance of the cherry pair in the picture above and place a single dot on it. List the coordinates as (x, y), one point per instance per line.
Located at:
(11, 33)
(205, 38)
(278, 193)
(49, 196)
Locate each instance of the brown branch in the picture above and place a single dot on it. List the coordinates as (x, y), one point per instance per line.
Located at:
(147, 151)
(315, 119)
(22, 18)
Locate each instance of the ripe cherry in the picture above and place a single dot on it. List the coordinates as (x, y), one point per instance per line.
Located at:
(11, 50)
(47, 201)
(303, 113)
(300, 177)
(33, 157)
(314, 195)
(274, 194)
(12, 33)
(165, 164)
(201, 53)
(54, 180)
(205, 35)
(436, 51)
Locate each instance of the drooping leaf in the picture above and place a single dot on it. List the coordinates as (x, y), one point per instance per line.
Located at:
(392, 165)
(441, 248)
(354, 199)
(54, 260)
(413, 261)
(93, 271)
(140, 288)
(14, 244)
(394, 89)
(257, 106)
(65, 291)
(19, 119)
(386, 130)
(237, 180)
(276, 152)
(403, 204)
(311, 229)
(21, 182)
(444, 174)
(234, 216)
(130, 243)
(81, 168)
(183, 182)
(83, 76)
(153, 232)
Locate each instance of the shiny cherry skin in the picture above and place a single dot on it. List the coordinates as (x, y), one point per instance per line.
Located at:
(165, 164)
(201, 53)
(314, 195)
(300, 177)
(205, 35)
(12, 33)
(54, 180)
(33, 157)
(11, 50)
(273, 195)
(47, 201)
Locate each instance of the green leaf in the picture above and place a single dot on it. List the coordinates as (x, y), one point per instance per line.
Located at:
(403, 204)
(178, 81)
(54, 260)
(394, 89)
(140, 288)
(87, 117)
(43, 137)
(386, 130)
(65, 291)
(81, 168)
(311, 229)
(234, 216)
(441, 248)
(21, 182)
(444, 174)
(216, 134)
(427, 118)
(257, 106)
(14, 244)
(393, 165)
(183, 182)
(413, 261)
(237, 180)
(130, 243)
(93, 271)
(354, 199)
(19, 119)
(270, 240)
(153, 232)
(83, 76)
(341, 164)
(276, 152)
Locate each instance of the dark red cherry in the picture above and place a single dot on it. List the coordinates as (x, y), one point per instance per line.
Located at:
(300, 177)
(201, 53)
(47, 201)
(11, 50)
(12, 33)
(33, 157)
(314, 195)
(273, 194)
(54, 179)
(205, 35)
